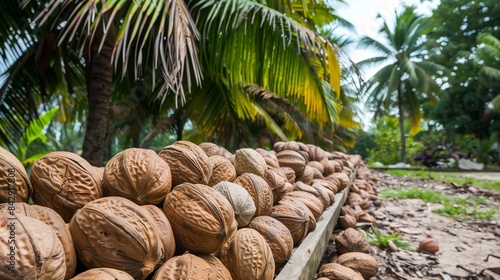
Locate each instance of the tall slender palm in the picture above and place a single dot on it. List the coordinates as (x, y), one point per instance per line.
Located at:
(406, 81)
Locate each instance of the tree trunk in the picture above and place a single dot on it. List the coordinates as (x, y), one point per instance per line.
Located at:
(99, 82)
(401, 124)
(180, 123)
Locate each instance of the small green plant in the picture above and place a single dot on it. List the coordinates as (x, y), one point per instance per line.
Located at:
(34, 131)
(461, 209)
(378, 239)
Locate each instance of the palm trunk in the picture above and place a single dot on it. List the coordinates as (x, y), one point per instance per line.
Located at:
(99, 83)
(180, 123)
(401, 124)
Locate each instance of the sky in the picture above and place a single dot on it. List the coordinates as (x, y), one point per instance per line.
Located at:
(363, 15)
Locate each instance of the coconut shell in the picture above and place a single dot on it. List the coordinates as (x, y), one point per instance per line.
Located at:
(139, 175)
(429, 245)
(165, 232)
(296, 219)
(309, 200)
(15, 185)
(321, 194)
(276, 180)
(186, 266)
(351, 240)
(188, 163)
(212, 149)
(37, 252)
(248, 256)
(222, 170)
(307, 176)
(335, 271)
(277, 236)
(216, 264)
(103, 273)
(202, 218)
(64, 182)
(55, 221)
(292, 159)
(289, 173)
(260, 191)
(343, 178)
(363, 263)
(316, 153)
(114, 232)
(242, 202)
(248, 160)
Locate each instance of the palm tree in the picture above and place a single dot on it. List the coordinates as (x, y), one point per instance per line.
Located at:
(488, 54)
(129, 37)
(406, 81)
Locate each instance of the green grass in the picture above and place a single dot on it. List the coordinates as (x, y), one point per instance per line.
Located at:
(447, 177)
(453, 207)
(378, 239)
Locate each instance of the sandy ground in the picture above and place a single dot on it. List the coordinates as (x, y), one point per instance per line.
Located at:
(464, 244)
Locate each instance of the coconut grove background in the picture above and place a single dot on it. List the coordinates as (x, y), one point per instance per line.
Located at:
(96, 77)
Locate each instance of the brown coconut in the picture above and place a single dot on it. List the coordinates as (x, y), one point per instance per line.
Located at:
(260, 191)
(188, 163)
(292, 159)
(165, 233)
(65, 182)
(53, 220)
(363, 263)
(316, 153)
(331, 184)
(342, 177)
(296, 219)
(103, 273)
(277, 236)
(289, 173)
(212, 149)
(185, 266)
(308, 175)
(216, 264)
(201, 217)
(114, 232)
(351, 240)
(321, 194)
(309, 200)
(15, 185)
(248, 160)
(276, 180)
(337, 271)
(222, 170)
(139, 175)
(429, 245)
(30, 249)
(248, 256)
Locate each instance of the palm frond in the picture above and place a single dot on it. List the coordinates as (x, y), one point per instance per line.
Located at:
(366, 41)
(162, 32)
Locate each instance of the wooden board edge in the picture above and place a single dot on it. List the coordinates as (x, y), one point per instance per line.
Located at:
(306, 258)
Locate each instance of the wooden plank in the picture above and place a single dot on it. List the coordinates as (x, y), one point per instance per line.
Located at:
(306, 258)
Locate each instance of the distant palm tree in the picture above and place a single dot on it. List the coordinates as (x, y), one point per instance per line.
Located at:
(488, 54)
(406, 81)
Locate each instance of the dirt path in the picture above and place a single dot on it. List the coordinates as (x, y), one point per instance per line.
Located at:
(464, 244)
